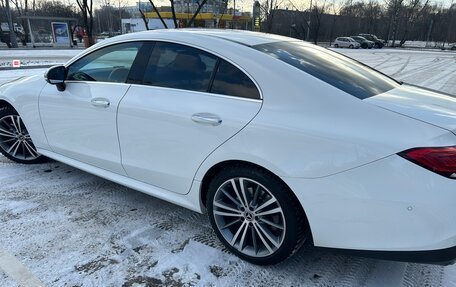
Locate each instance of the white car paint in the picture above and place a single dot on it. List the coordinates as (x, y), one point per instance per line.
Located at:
(422, 104)
(77, 128)
(336, 152)
(163, 125)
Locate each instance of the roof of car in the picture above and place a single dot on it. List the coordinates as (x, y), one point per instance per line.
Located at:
(247, 38)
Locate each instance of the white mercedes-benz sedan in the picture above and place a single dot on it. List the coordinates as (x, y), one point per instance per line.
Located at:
(281, 142)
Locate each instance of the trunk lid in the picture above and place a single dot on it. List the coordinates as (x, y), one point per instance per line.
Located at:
(422, 104)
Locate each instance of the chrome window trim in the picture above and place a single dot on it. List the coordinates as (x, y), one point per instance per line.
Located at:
(89, 51)
(92, 82)
(200, 93)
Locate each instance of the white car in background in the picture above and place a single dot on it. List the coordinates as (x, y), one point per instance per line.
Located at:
(282, 142)
(346, 42)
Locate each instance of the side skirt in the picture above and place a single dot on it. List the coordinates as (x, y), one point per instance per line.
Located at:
(190, 200)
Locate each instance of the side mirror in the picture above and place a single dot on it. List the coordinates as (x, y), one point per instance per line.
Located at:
(56, 76)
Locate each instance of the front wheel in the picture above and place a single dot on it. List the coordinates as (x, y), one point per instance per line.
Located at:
(15, 141)
(255, 215)
(351, 47)
(336, 46)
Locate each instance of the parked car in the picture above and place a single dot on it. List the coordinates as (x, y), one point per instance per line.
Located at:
(365, 44)
(378, 43)
(346, 42)
(283, 143)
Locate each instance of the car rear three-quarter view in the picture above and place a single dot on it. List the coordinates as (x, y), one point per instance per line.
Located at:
(283, 143)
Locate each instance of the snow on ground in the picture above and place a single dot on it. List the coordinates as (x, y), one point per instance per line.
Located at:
(434, 70)
(70, 228)
(33, 57)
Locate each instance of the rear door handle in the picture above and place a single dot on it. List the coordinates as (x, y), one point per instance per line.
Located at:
(207, 119)
(100, 102)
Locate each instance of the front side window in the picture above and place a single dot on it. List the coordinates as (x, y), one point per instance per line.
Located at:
(109, 64)
(231, 81)
(179, 67)
(335, 69)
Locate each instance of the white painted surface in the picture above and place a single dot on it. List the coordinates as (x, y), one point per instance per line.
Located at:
(162, 145)
(17, 271)
(79, 130)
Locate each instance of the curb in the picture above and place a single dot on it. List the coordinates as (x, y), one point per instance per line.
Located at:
(25, 67)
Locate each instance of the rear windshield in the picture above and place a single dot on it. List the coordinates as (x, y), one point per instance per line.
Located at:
(333, 68)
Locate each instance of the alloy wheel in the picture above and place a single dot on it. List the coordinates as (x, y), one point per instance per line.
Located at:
(15, 139)
(249, 217)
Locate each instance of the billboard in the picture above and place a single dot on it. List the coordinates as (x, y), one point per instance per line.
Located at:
(60, 33)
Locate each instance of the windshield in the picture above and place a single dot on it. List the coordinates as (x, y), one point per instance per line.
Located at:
(333, 68)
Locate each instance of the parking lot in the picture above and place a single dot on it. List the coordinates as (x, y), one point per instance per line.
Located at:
(69, 228)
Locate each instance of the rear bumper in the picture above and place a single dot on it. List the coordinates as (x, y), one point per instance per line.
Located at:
(390, 208)
(445, 256)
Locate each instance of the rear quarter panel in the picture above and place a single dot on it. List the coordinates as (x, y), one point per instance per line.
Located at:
(309, 129)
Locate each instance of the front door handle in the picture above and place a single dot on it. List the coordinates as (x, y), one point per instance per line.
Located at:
(100, 102)
(207, 119)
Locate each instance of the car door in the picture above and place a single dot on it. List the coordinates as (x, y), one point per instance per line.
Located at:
(80, 122)
(189, 103)
(341, 42)
(345, 42)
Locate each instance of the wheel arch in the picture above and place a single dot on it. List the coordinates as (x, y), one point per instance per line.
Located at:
(215, 169)
(5, 104)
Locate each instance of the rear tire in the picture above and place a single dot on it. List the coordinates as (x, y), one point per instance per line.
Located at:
(255, 215)
(15, 141)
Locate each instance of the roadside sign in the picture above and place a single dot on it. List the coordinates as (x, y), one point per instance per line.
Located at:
(16, 63)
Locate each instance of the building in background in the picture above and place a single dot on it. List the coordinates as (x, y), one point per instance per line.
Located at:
(214, 14)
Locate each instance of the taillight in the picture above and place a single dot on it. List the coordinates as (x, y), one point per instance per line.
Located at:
(441, 160)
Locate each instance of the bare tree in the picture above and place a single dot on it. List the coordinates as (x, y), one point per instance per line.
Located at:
(335, 11)
(394, 7)
(173, 11)
(158, 14)
(267, 12)
(189, 24)
(192, 20)
(86, 7)
(143, 17)
(317, 13)
(413, 11)
(373, 13)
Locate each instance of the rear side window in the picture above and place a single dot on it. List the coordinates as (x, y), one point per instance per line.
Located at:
(335, 69)
(231, 81)
(179, 67)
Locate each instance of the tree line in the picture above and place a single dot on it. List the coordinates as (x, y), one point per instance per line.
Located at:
(322, 20)
(394, 20)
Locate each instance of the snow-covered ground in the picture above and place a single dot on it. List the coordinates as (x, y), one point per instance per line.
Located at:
(34, 57)
(70, 228)
(431, 69)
